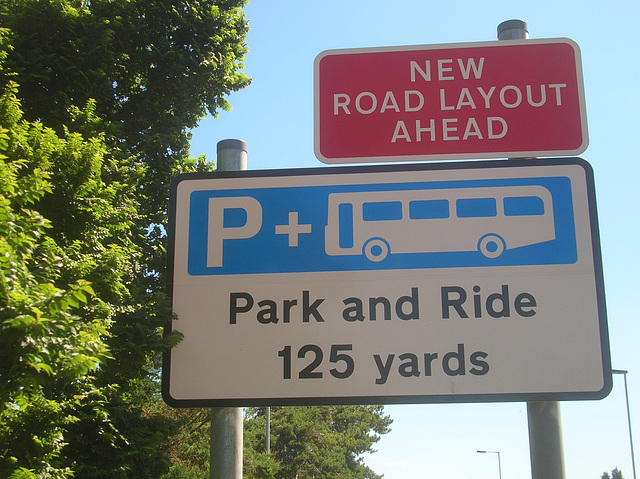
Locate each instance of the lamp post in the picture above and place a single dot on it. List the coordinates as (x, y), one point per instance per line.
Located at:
(499, 464)
(626, 395)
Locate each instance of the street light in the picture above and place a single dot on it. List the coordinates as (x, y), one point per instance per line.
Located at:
(499, 464)
(626, 395)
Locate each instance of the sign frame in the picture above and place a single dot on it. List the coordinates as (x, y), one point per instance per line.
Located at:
(401, 398)
(339, 143)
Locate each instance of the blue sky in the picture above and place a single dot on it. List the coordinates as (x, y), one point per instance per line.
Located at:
(275, 117)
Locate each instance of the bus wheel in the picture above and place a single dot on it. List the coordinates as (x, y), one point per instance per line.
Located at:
(491, 246)
(376, 249)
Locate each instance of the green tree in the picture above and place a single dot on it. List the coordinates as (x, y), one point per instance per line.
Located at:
(52, 334)
(615, 474)
(150, 71)
(109, 91)
(320, 441)
(188, 450)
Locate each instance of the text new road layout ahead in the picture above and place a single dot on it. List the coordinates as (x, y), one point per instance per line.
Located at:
(450, 102)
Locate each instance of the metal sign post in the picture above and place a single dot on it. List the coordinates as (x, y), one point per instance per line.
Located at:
(226, 422)
(545, 426)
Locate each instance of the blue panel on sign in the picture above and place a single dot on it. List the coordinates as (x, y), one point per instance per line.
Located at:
(345, 222)
(234, 218)
(523, 206)
(428, 209)
(338, 227)
(476, 207)
(382, 211)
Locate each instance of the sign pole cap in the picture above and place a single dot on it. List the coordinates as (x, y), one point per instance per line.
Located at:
(232, 155)
(232, 144)
(513, 30)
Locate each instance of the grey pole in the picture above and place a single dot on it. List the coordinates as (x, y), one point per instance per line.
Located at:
(626, 395)
(226, 443)
(513, 30)
(545, 440)
(226, 423)
(499, 462)
(545, 426)
(268, 433)
(232, 155)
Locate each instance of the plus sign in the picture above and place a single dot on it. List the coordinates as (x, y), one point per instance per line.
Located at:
(293, 229)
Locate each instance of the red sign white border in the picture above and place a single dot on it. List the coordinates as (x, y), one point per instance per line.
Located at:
(453, 156)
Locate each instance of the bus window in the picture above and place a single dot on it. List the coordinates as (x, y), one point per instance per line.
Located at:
(428, 209)
(382, 211)
(476, 207)
(523, 206)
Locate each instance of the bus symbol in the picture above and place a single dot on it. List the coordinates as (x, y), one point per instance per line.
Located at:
(488, 220)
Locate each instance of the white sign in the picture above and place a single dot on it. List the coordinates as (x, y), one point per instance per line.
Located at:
(387, 284)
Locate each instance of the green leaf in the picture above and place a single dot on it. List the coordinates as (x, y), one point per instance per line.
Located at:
(41, 367)
(22, 473)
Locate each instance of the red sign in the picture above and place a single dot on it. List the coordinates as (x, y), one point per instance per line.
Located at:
(522, 98)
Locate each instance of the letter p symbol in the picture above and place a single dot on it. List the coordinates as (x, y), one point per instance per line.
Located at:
(231, 218)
